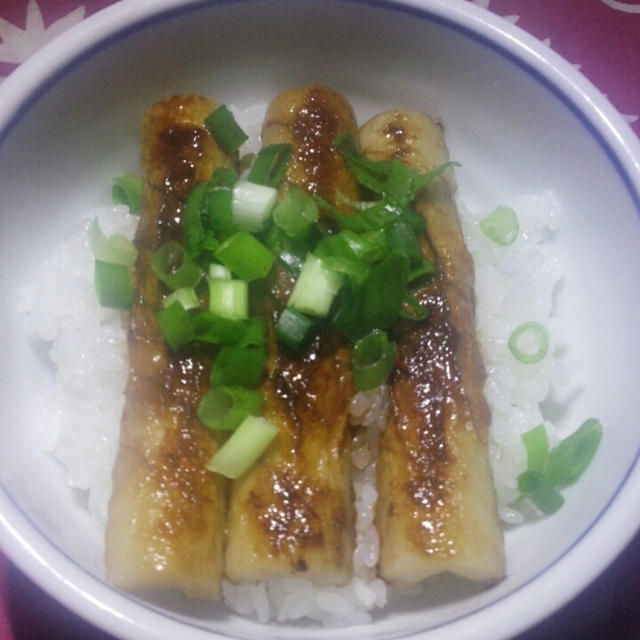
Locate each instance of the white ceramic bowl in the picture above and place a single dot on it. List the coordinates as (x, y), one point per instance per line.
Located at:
(519, 118)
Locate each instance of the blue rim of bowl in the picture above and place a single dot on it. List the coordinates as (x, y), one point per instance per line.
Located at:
(424, 14)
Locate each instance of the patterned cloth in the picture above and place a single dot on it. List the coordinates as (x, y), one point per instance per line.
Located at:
(602, 39)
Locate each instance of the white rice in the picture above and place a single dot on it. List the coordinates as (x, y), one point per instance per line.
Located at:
(87, 345)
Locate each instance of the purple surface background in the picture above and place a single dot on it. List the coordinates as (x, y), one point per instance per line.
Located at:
(605, 42)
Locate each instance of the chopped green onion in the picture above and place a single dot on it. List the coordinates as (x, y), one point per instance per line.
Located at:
(113, 285)
(186, 296)
(295, 212)
(537, 445)
(529, 342)
(293, 328)
(568, 460)
(240, 366)
(115, 249)
(315, 288)
(370, 173)
(174, 267)
(255, 333)
(217, 214)
(225, 129)
(249, 441)
(337, 255)
(501, 225)
(224, 408)
(224, 177)
(229, 298)
(397, 188)
(219, 272)
(175, 325)
(377, 302)
(127, 190)
(401, 236)
(251, 205)
(422, 180)
(371, 246)
(533, 485)
(372, 360)
(215, 329)
(270, 165)
(246, 256)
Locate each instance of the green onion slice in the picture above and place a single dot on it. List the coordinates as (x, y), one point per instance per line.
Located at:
(293, 328)
(246, 256)
(186, 296)
(174, 267)
(113, 285)
(251, 205)
(127, 190)
(373, 358)
(115, 249)
(295, 212)
(214, 329)
(240, 366)
(270, 165)
(315, 288)
(529, 342)
(229, 298)
(249, 441)
(501, 226)
(536, 444)
(225, 129)
(224, 408)
(175, 325)
(569, 459)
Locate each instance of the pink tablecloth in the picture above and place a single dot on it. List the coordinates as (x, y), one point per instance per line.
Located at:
(602, 38)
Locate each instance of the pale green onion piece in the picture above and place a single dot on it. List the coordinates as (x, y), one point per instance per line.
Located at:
(186, 296)
(251, 205)
(295, 212)
(229, 298)
(529, 342)
(115, 249)
(247, 443)
(219, 272)
(127, 190)
(315, 288)
(501, 225)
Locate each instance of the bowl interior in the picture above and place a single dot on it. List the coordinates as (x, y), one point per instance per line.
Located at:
(511, 130)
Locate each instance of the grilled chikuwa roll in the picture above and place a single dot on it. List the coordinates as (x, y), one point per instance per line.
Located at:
(292, 513)
(436, 509)
(167, 512)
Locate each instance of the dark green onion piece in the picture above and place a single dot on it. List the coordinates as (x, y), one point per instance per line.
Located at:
(295, 212)
(270, 165)
(397, 189)
(536, 444)
(214, 329)
(174, 267)
(293, 328)
(371, 246)
(255, 333)
(425, 268)
(529, 342)
(248, 442)
(402, 237)
(501, 225)
(175, 325)
(412, 309)
(224, 408)
(354, 223)
(337, 255)
(569, 459)
(113, 285)
(369, 173)
(225, 129)
(239, 366)
(376, 303)
(218, 215)
(246, 256)
(372, 360)
(127, 190)
(533, 485)
(423, 179)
